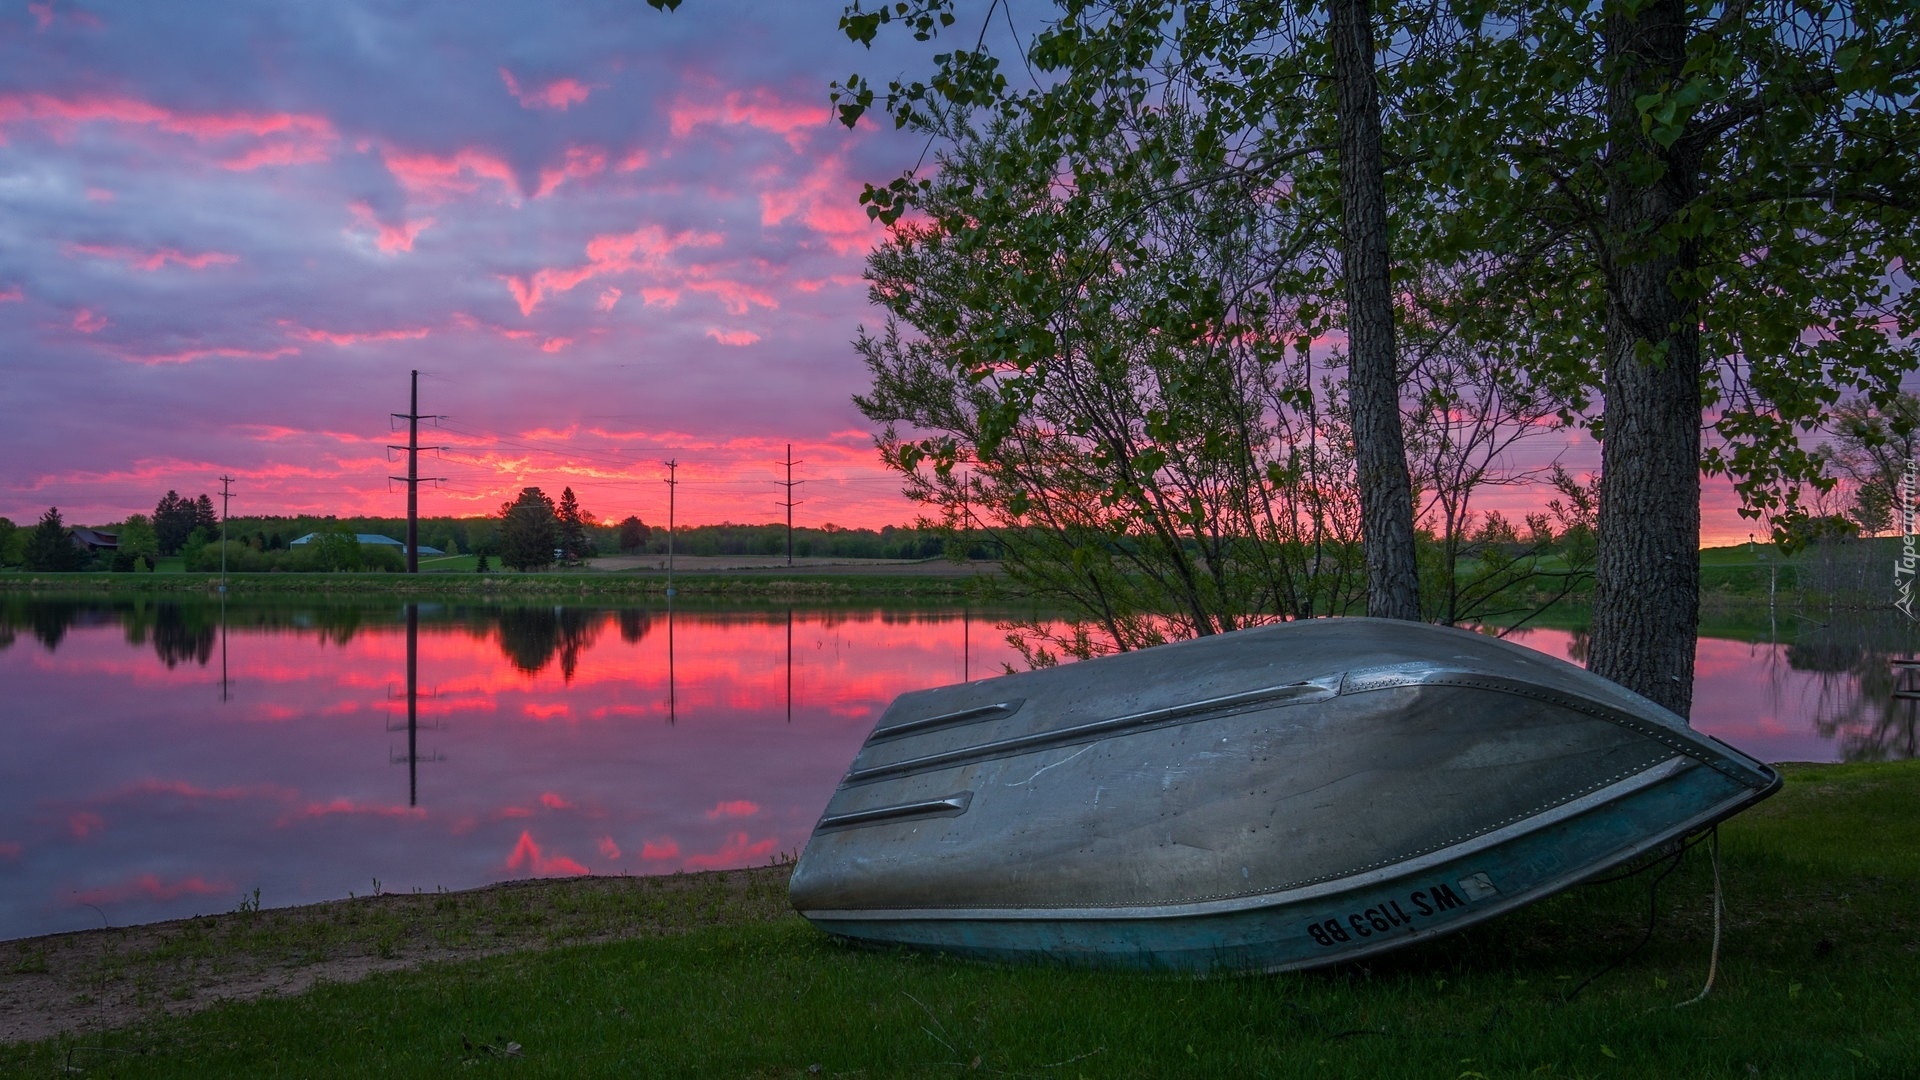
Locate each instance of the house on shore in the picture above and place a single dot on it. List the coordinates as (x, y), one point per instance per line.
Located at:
(370, 540)
(92, 540)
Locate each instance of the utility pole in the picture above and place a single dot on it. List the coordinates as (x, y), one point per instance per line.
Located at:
(412, 479)
(672, 484)
(225, 495)
(790, 503)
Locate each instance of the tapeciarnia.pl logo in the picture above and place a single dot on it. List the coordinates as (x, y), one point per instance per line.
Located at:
(1905, 566)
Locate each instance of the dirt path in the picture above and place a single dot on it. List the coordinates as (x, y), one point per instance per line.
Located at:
(96, 980)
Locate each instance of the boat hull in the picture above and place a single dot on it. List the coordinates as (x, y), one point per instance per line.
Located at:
(1274, 799)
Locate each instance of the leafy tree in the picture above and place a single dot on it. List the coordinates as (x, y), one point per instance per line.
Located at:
(572, 541)
(633, 533)
(1703, 215)
(173, 520)
(50, 546)
(529, 531)
(1871, 449)
(1124, 411)
(337, 548)
(1680, 213)
(138, 543)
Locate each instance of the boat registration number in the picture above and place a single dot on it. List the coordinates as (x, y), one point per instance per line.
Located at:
(1421, 904)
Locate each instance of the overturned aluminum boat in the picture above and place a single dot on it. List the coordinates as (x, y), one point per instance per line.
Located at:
(1277, 798)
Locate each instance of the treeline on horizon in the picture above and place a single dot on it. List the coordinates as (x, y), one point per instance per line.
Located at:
(267, 539)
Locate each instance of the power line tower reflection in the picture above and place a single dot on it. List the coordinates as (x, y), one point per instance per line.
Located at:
(789, 663)
(223, 643)
(412, 757)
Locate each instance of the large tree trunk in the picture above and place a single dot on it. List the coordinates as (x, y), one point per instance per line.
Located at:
(1647, 569)
(1373, 378)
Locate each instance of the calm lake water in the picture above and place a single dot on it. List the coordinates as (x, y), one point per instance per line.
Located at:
(164, 759)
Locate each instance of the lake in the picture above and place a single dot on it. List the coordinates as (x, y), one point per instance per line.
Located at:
(168, 758)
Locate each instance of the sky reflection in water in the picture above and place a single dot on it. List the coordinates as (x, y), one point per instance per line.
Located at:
(140, 785)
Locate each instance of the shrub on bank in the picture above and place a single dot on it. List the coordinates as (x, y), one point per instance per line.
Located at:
(305, 559)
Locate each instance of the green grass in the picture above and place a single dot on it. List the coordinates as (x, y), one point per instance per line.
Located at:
(1819, 977)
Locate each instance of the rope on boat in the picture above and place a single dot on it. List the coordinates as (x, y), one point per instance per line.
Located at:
(1713, 961)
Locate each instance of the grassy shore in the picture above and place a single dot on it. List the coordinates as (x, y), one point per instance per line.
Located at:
(1819, 976)
(931, 579)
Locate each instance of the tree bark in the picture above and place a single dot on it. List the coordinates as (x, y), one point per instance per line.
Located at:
(1373, 377)
(1647, 565)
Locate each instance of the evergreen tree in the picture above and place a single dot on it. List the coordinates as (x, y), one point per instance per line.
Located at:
(173, 521)
(50, 547)
(573, 530)
(529, 531)
(203, 515)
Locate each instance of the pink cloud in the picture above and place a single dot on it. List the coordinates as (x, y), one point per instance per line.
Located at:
(151, 887)
(735, 296)
(13, 849)
(153, 260)
(643, 249)
(389, 238)
(737, 851)
(761, 109)
(187, 790)
(438, 177)
(95, 194)
(733, 337)
(12, 293)
(608, 849)
(557, 94)
(277, 154)
(824, 203)
(188, 356)
(44, 16)
(734, 808)
(634, 161)
(528, 856)
(663, 296)
(580, 162)
(85, 823)
(608, 297)
(88, 322)
(347, 807)
(555, 344)
(537, 711)
(291, 137)
(553, 801)
(659, 849)
(306, 333)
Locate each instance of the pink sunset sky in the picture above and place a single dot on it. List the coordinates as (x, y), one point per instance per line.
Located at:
(604, 235)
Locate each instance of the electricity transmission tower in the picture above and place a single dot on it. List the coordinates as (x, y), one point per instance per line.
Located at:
(790, 502)
(412, 479)
(672, 485)
(226, 495)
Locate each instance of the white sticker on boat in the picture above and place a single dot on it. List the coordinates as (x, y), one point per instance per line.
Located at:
(1478, 887)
